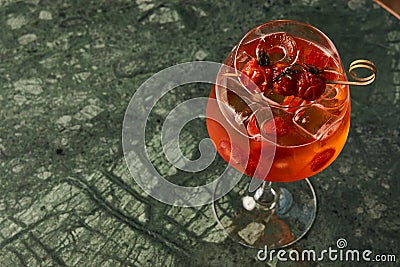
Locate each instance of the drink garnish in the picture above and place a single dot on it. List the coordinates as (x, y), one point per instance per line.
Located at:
(320, 159)
(263, 58)
(259, 71)
(302, 80)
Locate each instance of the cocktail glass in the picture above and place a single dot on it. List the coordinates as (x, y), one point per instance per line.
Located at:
(276, 137)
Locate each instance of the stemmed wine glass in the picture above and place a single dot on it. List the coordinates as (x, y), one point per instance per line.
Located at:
(283, 115)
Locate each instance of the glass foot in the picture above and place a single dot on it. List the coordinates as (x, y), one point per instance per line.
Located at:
(277, 218)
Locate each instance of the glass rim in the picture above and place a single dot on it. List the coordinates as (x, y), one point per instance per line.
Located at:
(331, 45)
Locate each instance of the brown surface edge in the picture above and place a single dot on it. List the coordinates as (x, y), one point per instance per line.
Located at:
(391, 6)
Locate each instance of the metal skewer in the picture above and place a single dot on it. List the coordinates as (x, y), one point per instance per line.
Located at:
(359, 64)
(356, 64)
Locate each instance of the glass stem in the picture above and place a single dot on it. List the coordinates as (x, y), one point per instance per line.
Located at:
(265, 195)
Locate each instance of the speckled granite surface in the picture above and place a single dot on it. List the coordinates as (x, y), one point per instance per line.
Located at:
(67, 72)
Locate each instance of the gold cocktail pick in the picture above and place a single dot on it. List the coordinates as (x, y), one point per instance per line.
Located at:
(359, 64)
(356, 64)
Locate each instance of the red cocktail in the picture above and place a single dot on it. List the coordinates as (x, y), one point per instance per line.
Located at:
(311, 130)
(278, 120)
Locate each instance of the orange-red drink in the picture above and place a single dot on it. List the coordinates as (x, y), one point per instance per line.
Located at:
(289, 108)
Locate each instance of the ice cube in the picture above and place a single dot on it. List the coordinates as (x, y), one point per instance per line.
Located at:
(318, 58)
(332, 74)
(330, 92)
(260, 116)
(239, 104)
(329, 131)
(253, 127)
(328, 99)
(245, 52)
(293, 103)
(274, 98)
(232, 92)
(230, 110)
(333, 99)
(314, 120)
(286, 133)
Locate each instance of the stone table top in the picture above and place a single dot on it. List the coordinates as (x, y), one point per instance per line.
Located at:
(68, 70)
